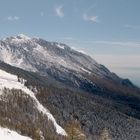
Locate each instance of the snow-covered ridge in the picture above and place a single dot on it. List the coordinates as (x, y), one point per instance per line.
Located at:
(7, 134)
(11, 81)
(39, 55)
(15, 51)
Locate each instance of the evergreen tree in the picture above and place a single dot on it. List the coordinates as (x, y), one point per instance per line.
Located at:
(74, 131)
(104, 135)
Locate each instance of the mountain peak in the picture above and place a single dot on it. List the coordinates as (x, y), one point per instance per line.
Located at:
(17, 38)
(22, 36)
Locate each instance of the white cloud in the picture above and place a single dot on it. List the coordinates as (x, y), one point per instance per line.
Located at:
(12, 18)
(59, 11)
(90, 18)
(136, 27)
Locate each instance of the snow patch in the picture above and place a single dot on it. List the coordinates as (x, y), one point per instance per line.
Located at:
(85, 70)
(22, 36)
(7, 134)
(61, 46)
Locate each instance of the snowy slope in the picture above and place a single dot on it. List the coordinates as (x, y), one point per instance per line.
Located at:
(6, 134)
(11, 81)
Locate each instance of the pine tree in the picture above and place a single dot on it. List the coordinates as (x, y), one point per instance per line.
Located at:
(104, 135)
(74, 131)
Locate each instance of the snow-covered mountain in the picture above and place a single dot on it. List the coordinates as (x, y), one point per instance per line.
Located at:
(31, 53)
(56, 59)
(37, 76)
(25, 52)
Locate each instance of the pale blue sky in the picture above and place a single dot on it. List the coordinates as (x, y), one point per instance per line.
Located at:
(109, 30)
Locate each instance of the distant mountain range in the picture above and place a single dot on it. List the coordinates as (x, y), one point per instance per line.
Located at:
(57, 93)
